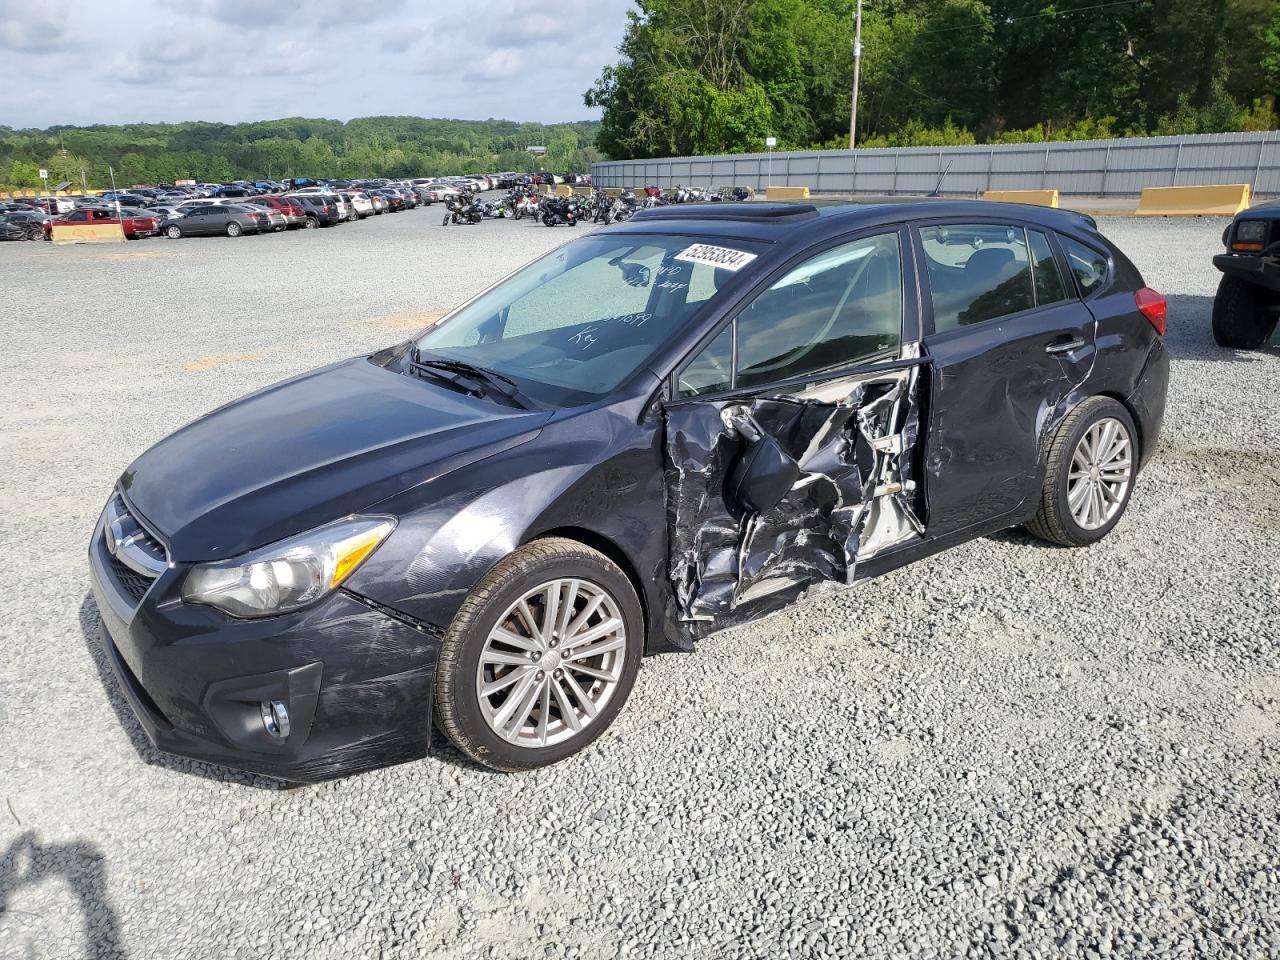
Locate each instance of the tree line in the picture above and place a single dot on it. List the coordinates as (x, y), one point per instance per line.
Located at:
(712, 76)
(146, 153)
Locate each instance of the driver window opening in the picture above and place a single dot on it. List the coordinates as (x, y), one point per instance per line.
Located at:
(842, 307)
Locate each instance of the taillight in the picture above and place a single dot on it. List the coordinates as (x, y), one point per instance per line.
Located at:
(1154, 307)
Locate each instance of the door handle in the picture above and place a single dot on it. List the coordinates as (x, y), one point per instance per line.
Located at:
(1065, 346)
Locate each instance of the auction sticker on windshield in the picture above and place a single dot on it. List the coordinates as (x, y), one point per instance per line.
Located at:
(722, 257)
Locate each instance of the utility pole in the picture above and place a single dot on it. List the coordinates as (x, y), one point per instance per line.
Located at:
(857, 69)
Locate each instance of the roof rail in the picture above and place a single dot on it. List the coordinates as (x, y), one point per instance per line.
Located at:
(727, 210)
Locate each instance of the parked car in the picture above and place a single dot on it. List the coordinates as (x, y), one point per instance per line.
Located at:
(291, 210)
(649, 434)
(12, 230)
(165, 212)
(1247, 305)
(30, 222)
(437, 194)
(136, 223)
(321, 210)
(358, 203)
(395, 203)
(229, 219)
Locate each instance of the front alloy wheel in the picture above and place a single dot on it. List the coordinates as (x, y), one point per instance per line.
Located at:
(540, 657)
(552, 662)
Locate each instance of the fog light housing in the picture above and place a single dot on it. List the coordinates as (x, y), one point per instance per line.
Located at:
(275, 718)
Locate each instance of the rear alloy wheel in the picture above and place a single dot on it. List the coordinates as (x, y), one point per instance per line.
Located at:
(1092, 466)
(540, 657)
(1244, 314)
(173, 232)
(233, 229)
(312, 223)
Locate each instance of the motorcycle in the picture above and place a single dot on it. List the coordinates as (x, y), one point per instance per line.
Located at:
(601, 204)
(527, 205)
(624, 205)
(462, 210)
(556, 210)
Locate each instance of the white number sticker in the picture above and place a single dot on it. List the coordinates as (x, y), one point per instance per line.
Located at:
(722, 257)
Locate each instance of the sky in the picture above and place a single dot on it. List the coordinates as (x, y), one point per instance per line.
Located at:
(122, 61)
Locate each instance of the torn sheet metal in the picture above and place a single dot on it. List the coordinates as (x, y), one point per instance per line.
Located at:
(853, 440)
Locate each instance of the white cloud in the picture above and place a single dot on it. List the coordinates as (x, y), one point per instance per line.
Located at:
(504, 64)
(237, 60)
(27, 27)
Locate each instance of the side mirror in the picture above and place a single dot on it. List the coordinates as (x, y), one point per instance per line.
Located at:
(764, 474)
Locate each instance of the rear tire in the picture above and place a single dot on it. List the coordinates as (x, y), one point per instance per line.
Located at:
(1244, 315)
(472, 720)
(312, 223)
(1069, 475)
(173, 232)
(234, 229)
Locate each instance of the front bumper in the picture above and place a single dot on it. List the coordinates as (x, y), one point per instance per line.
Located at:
(357, 682)
(1263, 271)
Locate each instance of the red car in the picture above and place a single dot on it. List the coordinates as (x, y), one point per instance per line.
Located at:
(292, 211)
(134, 227)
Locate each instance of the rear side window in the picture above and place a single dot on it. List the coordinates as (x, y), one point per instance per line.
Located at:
(977, 272)
(1048, 281)
(1088, 265)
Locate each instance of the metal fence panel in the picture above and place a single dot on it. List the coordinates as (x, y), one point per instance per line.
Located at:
(1100, 168)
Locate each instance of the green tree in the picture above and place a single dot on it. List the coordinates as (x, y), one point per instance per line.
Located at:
(702, 76)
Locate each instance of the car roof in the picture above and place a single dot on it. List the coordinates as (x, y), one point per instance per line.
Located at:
(779, 222)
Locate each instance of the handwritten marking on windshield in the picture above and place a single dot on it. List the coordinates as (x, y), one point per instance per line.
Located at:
(585, 337)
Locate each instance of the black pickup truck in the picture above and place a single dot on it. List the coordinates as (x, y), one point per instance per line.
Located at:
(1247, 306)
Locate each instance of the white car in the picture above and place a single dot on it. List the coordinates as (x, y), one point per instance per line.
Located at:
(360, 202)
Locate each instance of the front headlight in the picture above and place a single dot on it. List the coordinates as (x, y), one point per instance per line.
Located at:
(290, 574)
(1251, 231)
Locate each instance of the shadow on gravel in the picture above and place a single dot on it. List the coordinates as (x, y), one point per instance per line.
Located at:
(91, 627)
(1020, 538)
(1190, 335)
(28, 862)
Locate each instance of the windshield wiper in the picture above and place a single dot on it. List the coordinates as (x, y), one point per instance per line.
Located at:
(490, 381)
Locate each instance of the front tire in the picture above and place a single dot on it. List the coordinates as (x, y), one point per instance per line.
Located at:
(313, 223)
(540, 657)
(1244, 316)
(1092, 466)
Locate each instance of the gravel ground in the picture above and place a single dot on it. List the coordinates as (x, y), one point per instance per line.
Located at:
(1006, 750)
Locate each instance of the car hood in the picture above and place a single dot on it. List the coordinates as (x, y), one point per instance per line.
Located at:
(308, 451)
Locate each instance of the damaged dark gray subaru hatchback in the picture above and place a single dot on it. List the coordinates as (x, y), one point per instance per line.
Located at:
(650, 434)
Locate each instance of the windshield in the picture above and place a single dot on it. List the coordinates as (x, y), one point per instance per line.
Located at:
(575, 324)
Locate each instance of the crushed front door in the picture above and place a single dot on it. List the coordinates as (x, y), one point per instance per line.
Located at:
(834, 463)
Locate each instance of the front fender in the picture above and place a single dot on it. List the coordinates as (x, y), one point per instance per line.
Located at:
(596, 472)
